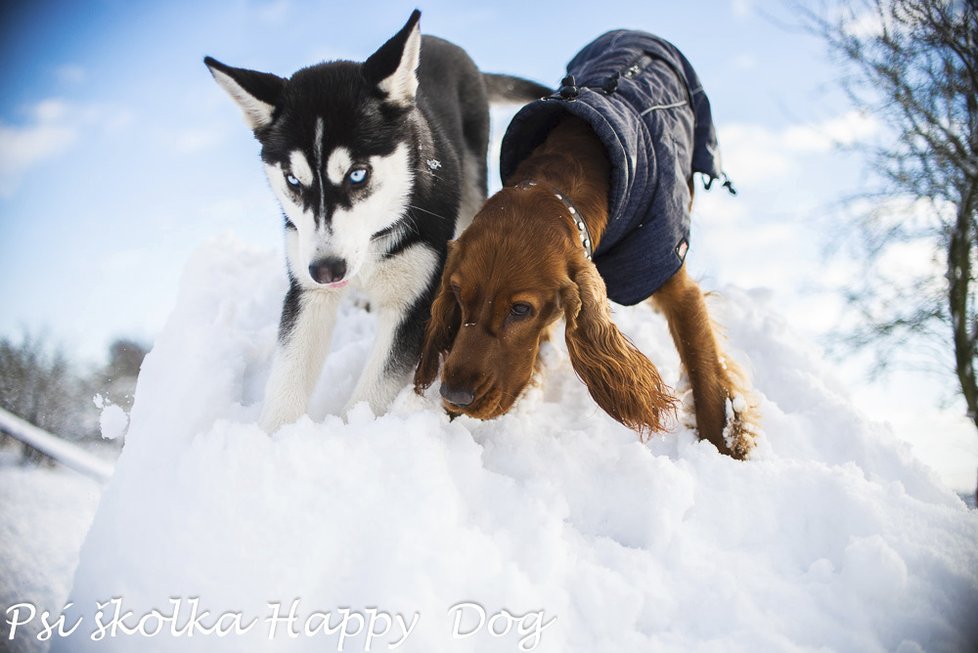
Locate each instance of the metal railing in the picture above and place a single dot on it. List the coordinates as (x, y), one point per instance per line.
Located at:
(66, 453)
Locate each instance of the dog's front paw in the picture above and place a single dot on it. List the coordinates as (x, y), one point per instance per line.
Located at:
(275, 415)
(269, 423)
(742, 425)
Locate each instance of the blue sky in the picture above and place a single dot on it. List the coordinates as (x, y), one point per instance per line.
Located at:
(119, 155)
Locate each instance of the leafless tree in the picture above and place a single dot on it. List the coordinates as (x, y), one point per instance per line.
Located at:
(40, 384)
(913, 64)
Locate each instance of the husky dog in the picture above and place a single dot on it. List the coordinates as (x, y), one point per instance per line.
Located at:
(375, 165)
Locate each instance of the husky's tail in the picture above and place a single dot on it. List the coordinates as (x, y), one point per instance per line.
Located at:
(506, 89)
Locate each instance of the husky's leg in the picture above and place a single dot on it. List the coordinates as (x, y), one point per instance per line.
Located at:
(403, 307)
(304, 335)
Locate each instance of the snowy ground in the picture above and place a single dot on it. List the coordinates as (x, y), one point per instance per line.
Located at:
(834, 537)
(44, 515)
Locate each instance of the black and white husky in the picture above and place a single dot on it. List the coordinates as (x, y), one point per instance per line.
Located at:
(376, 165)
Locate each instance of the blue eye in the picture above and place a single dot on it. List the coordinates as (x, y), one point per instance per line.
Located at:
(357, 176)
(293, 181)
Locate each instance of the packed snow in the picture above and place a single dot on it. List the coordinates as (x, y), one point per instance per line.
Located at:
(551, 529)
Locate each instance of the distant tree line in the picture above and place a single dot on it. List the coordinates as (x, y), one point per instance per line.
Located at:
(41, 384)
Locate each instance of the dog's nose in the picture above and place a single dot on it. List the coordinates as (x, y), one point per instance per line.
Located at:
(456, 396)
(328, 270)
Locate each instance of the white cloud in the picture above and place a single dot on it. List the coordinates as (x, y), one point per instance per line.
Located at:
(863, 25)
(758, 152)
(754, 151)
(71, 74)
(51, 110)
(846, 129)
(52, 128)
(191, 141)
(273, 12)
(905, 262)
(912, 215)
(741, 7)
(24, 147)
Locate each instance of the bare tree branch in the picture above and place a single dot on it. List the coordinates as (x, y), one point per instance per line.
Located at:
(914, 64)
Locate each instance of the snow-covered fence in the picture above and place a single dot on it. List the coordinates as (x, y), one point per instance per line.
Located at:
(61, 450)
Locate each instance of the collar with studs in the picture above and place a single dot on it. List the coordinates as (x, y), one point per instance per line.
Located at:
(575, 214)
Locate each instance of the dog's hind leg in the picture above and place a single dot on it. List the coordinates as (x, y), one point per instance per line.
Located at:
(725, 414)
(305, 330)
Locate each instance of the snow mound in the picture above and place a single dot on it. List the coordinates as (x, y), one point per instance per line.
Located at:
(550, 529)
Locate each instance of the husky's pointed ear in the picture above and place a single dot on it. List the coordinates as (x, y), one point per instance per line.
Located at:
(254, 92)
(393, 68)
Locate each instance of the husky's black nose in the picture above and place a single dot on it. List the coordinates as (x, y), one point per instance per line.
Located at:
(328, 270)
(456, 396)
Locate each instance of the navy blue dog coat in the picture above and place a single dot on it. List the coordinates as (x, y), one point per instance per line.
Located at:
(644, 102)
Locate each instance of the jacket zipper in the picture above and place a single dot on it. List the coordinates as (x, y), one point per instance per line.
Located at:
(633, 69)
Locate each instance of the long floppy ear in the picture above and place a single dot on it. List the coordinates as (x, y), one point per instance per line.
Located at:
(393, 68)
(619, 377)
(439, 334)
(255, 93)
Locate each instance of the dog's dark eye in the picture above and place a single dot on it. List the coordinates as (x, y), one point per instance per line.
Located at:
(293, 181)
(520, 310)
(358, 176)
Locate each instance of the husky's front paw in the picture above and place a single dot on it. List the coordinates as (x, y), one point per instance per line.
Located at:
(275, 415)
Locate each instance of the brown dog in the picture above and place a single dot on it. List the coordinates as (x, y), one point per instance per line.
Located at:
(520, 266)
(599, 188)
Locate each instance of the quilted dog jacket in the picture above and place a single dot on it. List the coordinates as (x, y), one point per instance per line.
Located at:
(645, 103)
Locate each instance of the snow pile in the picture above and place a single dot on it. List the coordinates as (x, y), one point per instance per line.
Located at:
(550, 529)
